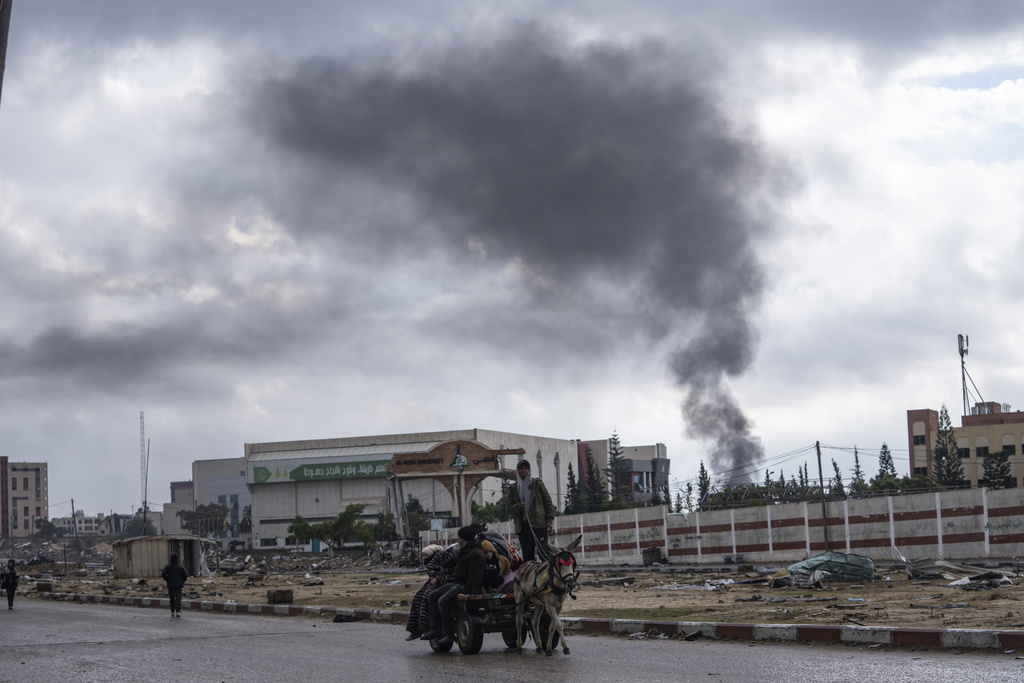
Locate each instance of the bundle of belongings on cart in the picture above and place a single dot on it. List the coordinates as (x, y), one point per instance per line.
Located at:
(825, 568)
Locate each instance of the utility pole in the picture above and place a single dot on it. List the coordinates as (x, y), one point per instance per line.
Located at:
(824, 508)
(144, 467)
(74, 519)
(5, 25)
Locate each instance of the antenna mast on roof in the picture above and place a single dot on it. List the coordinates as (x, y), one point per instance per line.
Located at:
(962, 343)
(964, 376)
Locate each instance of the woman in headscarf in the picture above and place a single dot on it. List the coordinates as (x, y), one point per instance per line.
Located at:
(434, 557)
(530, 506)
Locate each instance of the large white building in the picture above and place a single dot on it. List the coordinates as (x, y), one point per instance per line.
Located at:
(317, 479)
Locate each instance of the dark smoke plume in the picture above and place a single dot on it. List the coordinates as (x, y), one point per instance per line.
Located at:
(573, 161)
(723, 348)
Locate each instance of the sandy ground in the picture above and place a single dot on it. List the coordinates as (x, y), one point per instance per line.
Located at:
(654, 594)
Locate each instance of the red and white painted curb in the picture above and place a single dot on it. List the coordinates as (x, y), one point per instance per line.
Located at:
(871, 635)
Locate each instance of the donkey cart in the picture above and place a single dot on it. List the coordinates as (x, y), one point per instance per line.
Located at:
(476, 615)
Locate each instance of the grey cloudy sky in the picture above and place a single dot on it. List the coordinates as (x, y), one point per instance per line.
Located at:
(735, 228)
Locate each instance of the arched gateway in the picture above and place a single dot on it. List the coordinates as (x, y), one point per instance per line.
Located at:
(460, 466)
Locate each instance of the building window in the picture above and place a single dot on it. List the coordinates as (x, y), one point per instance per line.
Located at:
(24, 481)
(1010, 449)
(982, 451)
(14, 483)
(918, 439)
(964, 453)
(267, 542)
(920, 471)
(39, 511)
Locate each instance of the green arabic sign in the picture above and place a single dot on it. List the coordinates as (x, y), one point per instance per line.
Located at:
(321, 471)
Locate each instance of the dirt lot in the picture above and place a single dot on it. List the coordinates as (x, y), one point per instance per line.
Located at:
(658, 593)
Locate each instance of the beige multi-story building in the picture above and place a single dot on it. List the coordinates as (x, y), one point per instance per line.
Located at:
(24, 497)
(986, 430)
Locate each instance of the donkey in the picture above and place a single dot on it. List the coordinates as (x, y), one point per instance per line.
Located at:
(542, 587)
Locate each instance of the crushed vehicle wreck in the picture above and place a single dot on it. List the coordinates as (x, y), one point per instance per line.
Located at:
(830, 566)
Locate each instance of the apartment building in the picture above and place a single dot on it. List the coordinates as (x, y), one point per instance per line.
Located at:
(24, 497)
(986, 430)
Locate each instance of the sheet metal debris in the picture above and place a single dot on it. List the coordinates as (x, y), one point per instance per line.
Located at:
(938, 568)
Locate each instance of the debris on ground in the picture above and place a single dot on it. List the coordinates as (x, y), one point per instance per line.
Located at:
(938, 568)
(783, 578)
(785, 598)
(712, 585)
(652, 634)
(613, 581)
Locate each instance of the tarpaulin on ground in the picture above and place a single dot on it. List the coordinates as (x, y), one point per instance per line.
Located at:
(837, 567)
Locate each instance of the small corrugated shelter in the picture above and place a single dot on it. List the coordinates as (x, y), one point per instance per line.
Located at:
(146, 556)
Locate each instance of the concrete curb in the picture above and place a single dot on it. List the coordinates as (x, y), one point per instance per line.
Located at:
(231, 607)
(871, 635)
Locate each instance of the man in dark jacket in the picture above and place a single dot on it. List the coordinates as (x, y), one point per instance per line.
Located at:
(466, 579)
(175, 575)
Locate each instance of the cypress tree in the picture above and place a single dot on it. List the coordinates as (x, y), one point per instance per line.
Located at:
(703, 486)
(885, 463)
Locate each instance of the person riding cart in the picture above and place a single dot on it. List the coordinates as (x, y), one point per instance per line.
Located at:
(467, 578)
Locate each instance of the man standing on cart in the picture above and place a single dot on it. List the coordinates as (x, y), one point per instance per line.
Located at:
(466, 579)
(529, 504)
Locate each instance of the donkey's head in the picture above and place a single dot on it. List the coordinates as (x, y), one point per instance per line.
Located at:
(563, 565)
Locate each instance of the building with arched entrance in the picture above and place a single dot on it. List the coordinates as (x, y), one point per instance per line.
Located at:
(446, 471)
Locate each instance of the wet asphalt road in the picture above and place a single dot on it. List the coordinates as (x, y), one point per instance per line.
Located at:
(48, 641)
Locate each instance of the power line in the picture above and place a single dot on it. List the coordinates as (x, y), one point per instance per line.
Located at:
(749, 469)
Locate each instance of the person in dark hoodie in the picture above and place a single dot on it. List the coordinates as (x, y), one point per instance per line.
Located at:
(175, 575)
(9, 582)
(467, 579)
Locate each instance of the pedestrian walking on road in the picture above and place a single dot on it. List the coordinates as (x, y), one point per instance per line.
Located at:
(9, 582)
(175, 575)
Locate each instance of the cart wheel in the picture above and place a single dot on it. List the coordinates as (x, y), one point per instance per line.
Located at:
(469, 632)
(437, 646)
(545, 626)
(509, 635)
